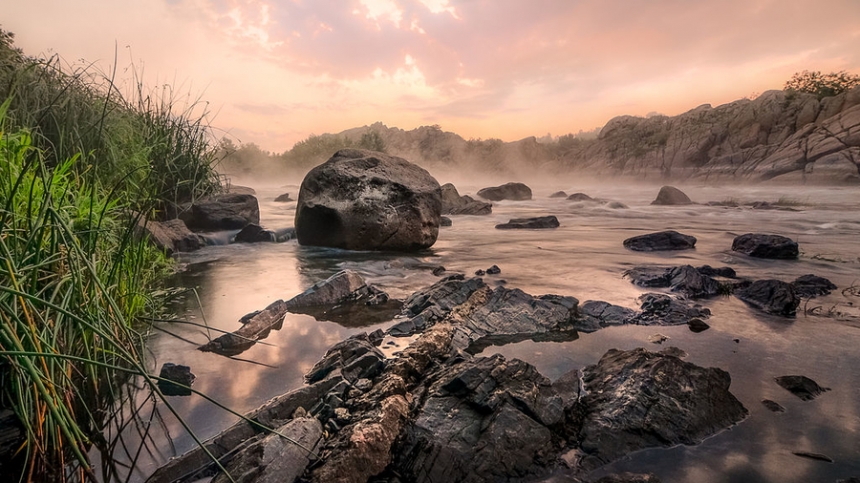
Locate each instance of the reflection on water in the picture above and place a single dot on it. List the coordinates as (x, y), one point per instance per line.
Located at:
(583, 258)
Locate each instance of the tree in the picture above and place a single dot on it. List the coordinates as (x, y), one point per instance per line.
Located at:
(373, 141)
(822, 85)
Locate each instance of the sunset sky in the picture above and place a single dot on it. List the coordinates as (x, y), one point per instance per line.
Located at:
(274, 72)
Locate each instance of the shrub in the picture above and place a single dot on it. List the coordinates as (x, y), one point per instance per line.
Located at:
(822, 85)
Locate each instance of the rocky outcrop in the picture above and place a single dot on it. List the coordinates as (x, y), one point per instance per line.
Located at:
(507, 191)
(229, 211)
(660, 241)
(766, 246)
(171, 236)
(539, 222)
(771, 296)
(454, 204)
(365, 200)
(669, 195)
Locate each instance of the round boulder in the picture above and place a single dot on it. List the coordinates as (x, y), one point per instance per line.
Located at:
(663, 240)
(766, 246)
(366, 200)
(507, 191)
(669, 195)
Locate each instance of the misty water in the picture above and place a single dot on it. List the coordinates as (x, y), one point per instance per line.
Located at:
(583, 258)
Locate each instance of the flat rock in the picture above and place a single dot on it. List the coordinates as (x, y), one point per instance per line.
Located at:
(346, 286)
(684, 279)
(766, 246)
(454, 204)
(771, 296)
(507, 191)
(426, 307)
(530, 223)
(813, 456)
(811, 286)
(660, 241)
(669, 195)
(772, 406)
(801, 386)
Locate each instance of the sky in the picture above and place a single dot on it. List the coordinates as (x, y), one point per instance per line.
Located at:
(273, 72)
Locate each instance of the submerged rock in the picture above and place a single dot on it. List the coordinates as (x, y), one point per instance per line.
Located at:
(230, 211)
(766, 246)
(530, 223)
(772, 296)
(813, 456)
(669, 195)
(663, 240)
(558, 194)
(365, 200)
(684, 279)
(257, 325)
(773, 406)
(580, 197)
(801, 386)
(454, 204)
(811, 286)
(507, 191)
(284, 198)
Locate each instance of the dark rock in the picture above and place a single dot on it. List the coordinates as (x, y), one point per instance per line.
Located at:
(813, 456)
(663, 240)
(684, 279)
(445, 221)
(365, 200)
(801, 386)
(662, 309)
(438, 271)
(231, 211)
(629, 478)
(175, 373)
(657, 338)
(772, 406)
(241, 190)
(356, 358)
(669, 195)
(494, 270)
(638, 399)
(507, 191)
(343, 287)
(285, 234)
(530, 223)
(256, 326)
(772, 296)
(580, 197)
(253, 233)
(284, 198)
(558, 194)
(171, 236)
(454, 204)
(428, 306)
(766, 246)
(697, 325)
(811, 286)
(727, 272)
(376, 337)
(480, 273)
(853, 479)
(595, 315)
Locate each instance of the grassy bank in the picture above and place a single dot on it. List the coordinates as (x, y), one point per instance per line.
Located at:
(80, 163)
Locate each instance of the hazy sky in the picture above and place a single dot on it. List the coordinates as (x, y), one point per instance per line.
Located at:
(275, 71)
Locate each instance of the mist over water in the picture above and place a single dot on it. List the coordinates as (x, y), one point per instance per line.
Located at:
(583, 258)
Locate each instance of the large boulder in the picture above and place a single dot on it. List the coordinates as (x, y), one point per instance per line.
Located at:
(454, 204)
(229, 211)
(660, 241)
(669, 195)
(766, 246)
(507, 191)
(366, 200)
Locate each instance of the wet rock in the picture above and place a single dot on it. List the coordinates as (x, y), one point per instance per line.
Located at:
(278, 457)
(494, 270)
(811, 286)
(674, 352)
(253, 233)
(660, 241)
(438, 271)
(507, 191)
(684, 279)
(669, 195)
(238, 189)
(365, 200)
(558, 194)
(801, 386)
(813, 456)
(580, 197)
(596, 314)
(343, 287)
(662, 309)
(639, 399)
(284, 198)
(230, 211)
(772, 406)
(766, 246)
(355, 358)
(428, 306)
(445, 221)
(285, 234)
(480, 273)
(657, 338)
(771, 296)
(171, 236)
(726, 272)
(256, 326)
(454, 204)
(175, 373)
(530, 223)
(697, 325)
(629, 478)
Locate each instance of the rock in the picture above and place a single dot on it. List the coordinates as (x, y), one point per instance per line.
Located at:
(629, 478)
(284, 198)
(580, 197)
(772, 406)
(813, 456)
(480, 273)
(657, 338)
(663, 240)
(530, 223)
(242, 190)
(558, 194)
(356, 358)
(364, 200)
(256, 326)
(639, 399)
(669, 195)
(285, 234)
(230, 211)
(276, 458)
(801, 386)
(253, 233)
(507, 191)
(345, 286)
(697, 325)
(171, 236)
(766, 246)
(494, 270)
(426, 307)
(683, 279)
(454, 204)
(438, 271)
(853, 479)
(772, 296)
(710, 271)
(175, 373)
(662, 309)
(445, 221)
(596, 314)
(811, 286)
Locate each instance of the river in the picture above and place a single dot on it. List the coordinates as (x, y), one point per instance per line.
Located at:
(584, 258)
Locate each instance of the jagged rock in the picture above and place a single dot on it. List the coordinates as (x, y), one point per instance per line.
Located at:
(766, 246)
(710, 271)
(175, 373)
(343, 287)
(256, 326)
(596, 314)
(284, 198)
(773, 406)
(530, 223)
(171, 236)
(365, 200)
(253, 233)
(801, 386)
(663, 240)
(428, 306)
(669, 195)
(276, 458)
(558, 194)
(811, 286)
(580, 197)
(772, 296)
(662, 309)
(230, 211)
(684, 279)
(507, 191)
(356, 358)
(445, 221)
(638, 399)
(454, 204)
